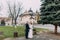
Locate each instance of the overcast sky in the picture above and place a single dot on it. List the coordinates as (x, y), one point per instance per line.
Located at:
(27, 4)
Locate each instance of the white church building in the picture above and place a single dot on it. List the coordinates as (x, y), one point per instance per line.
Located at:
(29, 16)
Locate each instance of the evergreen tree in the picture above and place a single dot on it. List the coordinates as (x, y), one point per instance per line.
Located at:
(50, 12)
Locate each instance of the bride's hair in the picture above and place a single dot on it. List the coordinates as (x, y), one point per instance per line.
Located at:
(31, 23)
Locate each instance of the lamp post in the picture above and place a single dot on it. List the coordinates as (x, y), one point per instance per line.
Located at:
(15, 32)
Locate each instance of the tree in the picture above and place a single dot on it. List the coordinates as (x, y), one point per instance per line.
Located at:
(14, 11)
(38, 17)
(2, 22)
(50, 12)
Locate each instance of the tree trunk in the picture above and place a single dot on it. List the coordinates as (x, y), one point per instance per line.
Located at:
(12, 21)
(15, 21)
(55, 28)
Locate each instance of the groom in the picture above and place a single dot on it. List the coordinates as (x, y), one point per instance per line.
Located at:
(27, 30)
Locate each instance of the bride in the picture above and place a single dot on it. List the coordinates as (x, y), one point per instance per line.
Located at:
(30, 34)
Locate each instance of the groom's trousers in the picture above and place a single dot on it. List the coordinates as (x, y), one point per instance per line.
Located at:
(26, 34)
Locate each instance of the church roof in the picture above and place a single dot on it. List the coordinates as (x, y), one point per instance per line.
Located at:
(28, 14)
(30, 10)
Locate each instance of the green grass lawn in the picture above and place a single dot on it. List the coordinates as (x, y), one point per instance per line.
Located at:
(8, 31)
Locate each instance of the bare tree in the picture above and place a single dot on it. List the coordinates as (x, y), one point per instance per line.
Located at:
(14, 11)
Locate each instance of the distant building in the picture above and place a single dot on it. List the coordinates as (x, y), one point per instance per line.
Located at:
(6, 19)
(29, 16)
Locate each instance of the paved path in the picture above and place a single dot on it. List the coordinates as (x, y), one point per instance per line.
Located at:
(42, 36)
(47, 26)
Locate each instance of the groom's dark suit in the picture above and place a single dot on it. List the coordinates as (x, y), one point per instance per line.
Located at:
(27, 30)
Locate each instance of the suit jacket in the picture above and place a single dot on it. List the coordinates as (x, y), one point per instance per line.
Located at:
(27, 26)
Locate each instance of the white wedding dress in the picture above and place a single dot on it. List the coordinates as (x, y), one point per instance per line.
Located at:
(30, 34)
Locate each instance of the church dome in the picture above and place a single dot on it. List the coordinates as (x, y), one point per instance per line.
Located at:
(30, 10)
